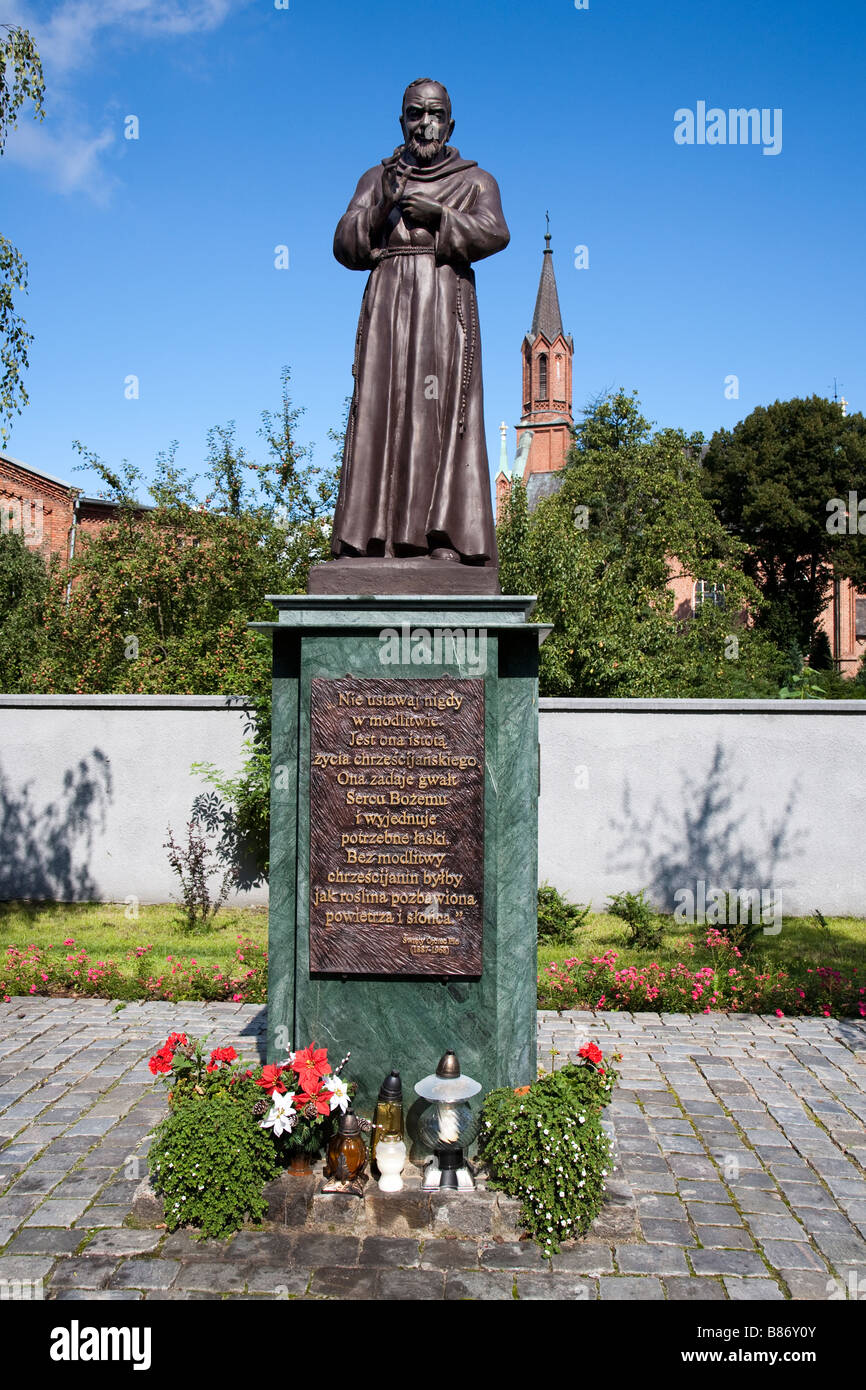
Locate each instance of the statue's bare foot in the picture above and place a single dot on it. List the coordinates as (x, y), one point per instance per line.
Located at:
(444, 553)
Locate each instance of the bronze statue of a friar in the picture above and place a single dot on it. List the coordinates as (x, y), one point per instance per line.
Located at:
(415, 479)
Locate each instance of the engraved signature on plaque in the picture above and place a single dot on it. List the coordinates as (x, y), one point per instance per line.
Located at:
(396, 826)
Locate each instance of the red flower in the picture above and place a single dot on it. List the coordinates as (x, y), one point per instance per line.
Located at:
(311, 1064)
(591, 1053)
(321, 1101)
(161, 1061)
(270, 1080)
(220, 1054)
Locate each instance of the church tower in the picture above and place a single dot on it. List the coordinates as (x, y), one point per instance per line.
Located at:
(547, 355)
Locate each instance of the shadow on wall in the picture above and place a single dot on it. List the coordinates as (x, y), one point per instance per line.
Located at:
(230, 849)
(701, 835)
(45, 849)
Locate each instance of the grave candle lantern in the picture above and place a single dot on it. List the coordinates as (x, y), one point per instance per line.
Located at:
(448, 1126)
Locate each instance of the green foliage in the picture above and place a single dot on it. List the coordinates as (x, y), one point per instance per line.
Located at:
(803, 685)
(558, 919)
(21, 81)
(544, 1144)
(23, 589)
(644, 925)
(629, 516)
(195, 864)
(159, 600)
(210, 1161)
(772, 480)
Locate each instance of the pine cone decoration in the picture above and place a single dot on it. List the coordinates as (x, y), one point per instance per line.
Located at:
(260, 1108)
(309, 1111)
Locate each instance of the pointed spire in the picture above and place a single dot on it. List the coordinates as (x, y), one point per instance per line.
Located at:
(547, 318)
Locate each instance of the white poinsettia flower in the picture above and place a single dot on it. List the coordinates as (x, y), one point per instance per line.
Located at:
(340, 1098)
(282, 1117)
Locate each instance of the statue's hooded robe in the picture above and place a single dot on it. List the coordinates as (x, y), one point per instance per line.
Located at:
(415, 470)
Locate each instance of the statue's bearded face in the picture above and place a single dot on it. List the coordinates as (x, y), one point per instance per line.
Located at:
(426, 121)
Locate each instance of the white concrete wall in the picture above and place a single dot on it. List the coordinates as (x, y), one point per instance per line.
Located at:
(634, 793)
(660, 794)
(90, 783)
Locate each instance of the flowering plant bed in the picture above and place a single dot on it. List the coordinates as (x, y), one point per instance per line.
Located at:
(545, 1145)
(731, 983)
(68, 969)
(230, 1128)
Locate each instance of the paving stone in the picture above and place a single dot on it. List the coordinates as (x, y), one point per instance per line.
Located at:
(714, 1214)
(81, 1273)
(614, 1287)
(481, 1284)
(448, 1254)
(313, 1250)
(122, 1243)
(808, 1284)
(216, 1277)
(526, 1255)
(97, 1216)
(694, 1290)
(409, 1284)
(725, 1237)
(667, 1232)
(755, 1200)
(583, 1259)
(278, 1282)
(743, 1262)
(659, 1205)
(559, 1288)
(57, 1213)
(791, 1254)
(145, 1274)
(32, 1240)
(781, 1227)
(752, 1290)
(650, 1259)
(385, 1251)
(841, 1250)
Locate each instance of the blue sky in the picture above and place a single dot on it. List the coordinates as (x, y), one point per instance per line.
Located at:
(155, 256)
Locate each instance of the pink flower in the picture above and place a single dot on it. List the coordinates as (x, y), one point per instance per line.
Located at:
(779, 1014)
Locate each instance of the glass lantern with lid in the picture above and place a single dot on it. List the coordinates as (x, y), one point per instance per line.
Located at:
(448, 1126)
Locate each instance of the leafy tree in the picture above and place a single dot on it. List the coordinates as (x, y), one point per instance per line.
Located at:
(23, 590)
(599, 554)
(159, 599)
(772, 480)
(21, 81)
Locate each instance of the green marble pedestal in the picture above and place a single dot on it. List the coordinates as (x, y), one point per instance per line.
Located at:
(489, 1020)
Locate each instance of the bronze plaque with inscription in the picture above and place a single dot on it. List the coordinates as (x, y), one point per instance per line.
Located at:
(396, 826)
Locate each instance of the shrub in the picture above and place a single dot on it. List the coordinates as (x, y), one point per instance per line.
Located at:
(194, 868)
(545, 1145)
(558, 919)
(644, 926)
(210, 1161)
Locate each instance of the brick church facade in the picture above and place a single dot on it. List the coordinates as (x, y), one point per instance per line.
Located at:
(544, 436)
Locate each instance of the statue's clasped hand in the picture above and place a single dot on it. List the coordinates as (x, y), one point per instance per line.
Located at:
(422, 210)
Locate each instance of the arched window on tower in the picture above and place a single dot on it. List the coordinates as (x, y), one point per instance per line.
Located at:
(528, 380)
(542, 377)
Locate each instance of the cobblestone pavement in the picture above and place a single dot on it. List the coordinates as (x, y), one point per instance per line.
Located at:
(743, 1140)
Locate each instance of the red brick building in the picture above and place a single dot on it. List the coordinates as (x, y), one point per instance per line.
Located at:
(47, 511)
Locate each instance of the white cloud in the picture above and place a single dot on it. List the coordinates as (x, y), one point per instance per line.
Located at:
(64, 149)
(68, 38)
(70, 159)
